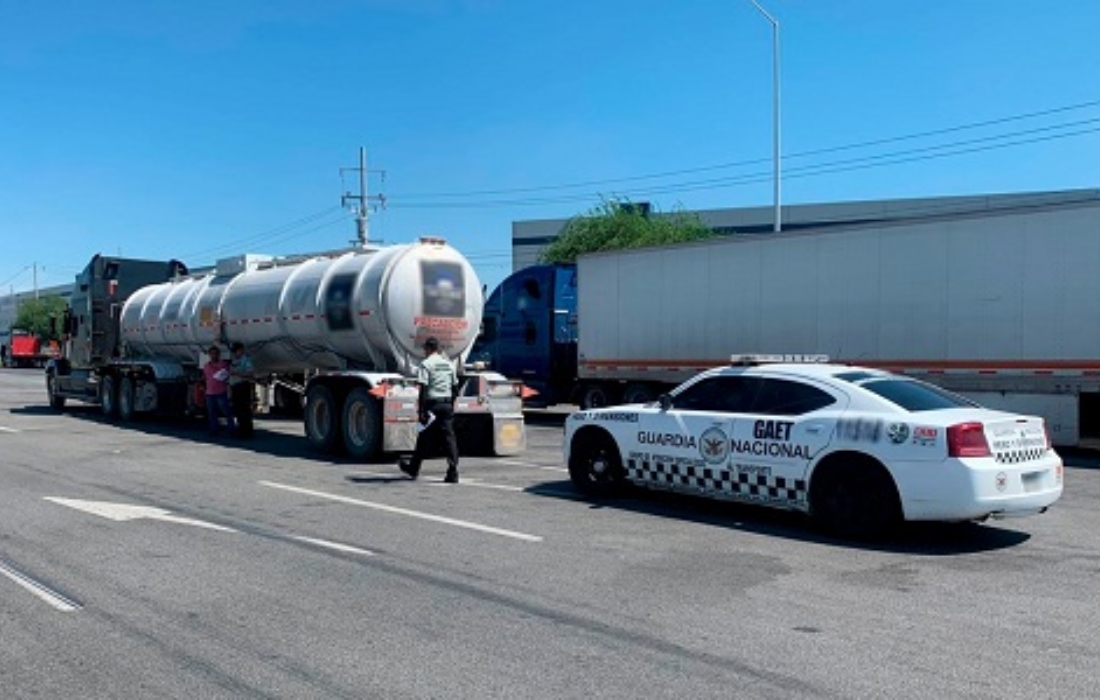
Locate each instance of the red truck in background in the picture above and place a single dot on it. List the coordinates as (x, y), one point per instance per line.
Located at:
(28, 350)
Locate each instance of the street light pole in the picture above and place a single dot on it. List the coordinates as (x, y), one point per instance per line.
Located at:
(776, 168)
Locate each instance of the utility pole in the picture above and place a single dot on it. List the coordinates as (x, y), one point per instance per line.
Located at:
(34, 265)
(778, 226)
(363, 199)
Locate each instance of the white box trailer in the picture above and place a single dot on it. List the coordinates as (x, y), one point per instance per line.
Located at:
(998, 306)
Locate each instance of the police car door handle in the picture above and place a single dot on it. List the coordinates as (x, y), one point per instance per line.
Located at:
(814, 428)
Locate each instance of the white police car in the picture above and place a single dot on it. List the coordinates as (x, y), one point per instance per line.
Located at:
(861, 449)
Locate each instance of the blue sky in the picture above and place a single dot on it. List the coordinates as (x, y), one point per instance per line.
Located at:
(202, 129)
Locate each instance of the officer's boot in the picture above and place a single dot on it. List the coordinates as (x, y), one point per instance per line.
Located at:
(410, 466)
(452, 473)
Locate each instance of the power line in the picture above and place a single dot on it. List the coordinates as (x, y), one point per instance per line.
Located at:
(266, 236)
(403, 201)
(891, 158)
(14, 277)
(896, 158)
(342, 218)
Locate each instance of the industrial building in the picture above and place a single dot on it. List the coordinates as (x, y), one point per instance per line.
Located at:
(529, 238)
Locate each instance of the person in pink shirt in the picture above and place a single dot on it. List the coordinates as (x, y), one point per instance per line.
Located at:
(216, 374)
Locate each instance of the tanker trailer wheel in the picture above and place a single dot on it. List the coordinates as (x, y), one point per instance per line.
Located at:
(126, 399)
(362, 425)
(108, 396)
(57, 401)
(322, 419)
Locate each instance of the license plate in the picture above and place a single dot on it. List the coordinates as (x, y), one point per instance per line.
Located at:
(1032, 481)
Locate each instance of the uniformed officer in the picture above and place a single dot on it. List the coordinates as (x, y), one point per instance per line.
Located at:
(438, 382)
(242, 389)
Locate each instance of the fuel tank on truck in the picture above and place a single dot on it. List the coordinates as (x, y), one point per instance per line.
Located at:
(369, 309)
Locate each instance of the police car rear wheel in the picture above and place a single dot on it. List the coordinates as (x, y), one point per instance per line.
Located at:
(856, 498)
(595, 466)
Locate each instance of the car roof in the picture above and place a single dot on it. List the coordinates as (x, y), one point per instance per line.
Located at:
(802, 369)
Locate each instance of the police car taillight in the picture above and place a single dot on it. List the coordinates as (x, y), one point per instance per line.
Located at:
(967, 440)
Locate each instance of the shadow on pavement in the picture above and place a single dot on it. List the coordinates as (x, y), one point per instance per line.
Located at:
(930, 539)
(275, 436)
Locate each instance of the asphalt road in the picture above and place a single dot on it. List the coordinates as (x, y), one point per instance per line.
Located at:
(147, 560)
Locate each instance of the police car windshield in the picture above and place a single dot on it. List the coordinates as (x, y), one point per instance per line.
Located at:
(915, 396)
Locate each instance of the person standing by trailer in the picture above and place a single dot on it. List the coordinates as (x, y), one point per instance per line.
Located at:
(242, 389)
(216, 374)
(438, 382)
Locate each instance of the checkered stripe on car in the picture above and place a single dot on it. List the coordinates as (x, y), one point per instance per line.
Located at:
(1018, 456)
(735, 484)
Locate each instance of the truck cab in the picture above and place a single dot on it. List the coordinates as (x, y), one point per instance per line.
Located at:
(91, 329)
(529, 331)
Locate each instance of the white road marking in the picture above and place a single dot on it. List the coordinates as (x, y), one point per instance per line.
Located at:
(335, 545)
(517, 463)
(44, 592)
(404, 511)
(481, 484)
(466, 481)
(8, 430)
(121, 512)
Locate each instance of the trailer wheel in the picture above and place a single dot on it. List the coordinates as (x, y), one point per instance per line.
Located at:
(322, 419)
(596, 396)
(126, 399)
(595, 465)
(57, 401)
(362, 425)
(108, 396)
(854, 496)
(639, 393)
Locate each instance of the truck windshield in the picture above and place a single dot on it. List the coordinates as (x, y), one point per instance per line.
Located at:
(916, 396)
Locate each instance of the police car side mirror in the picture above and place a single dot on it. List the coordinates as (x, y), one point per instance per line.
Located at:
(665, 400)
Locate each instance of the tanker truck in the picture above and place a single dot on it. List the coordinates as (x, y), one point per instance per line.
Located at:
(342, 332)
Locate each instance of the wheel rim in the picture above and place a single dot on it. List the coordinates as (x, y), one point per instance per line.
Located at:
(601, 465)
(107, 400)
(321, 419)
(638, 394)
(357, 424)
(595, 398)
(125, 398)
(598, 466)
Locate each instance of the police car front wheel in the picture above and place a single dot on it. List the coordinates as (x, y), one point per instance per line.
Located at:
(595, 466)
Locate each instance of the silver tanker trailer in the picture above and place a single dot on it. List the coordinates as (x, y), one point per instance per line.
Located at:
(340, 333)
